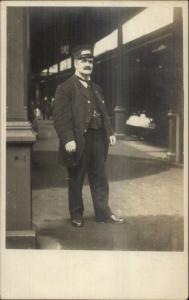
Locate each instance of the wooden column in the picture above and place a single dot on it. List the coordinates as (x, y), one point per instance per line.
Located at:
(119, 110)
(20, 230)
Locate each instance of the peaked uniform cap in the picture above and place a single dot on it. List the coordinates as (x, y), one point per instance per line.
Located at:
(82, 51)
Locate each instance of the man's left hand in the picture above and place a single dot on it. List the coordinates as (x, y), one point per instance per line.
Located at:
(112, 140)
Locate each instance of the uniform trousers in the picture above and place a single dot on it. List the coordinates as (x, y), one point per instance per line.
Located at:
(92, 162)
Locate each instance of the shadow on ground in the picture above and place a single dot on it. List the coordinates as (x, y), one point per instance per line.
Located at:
(140, 233)
(48, 173)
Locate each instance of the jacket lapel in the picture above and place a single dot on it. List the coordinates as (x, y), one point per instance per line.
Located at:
(82, 89)
(84, 92)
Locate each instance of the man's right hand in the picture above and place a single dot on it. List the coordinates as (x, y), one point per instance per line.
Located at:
(70, 146)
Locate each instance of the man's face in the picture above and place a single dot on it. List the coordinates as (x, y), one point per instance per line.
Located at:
(84, 66)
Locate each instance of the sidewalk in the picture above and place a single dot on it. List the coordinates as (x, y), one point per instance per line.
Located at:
(143, 188)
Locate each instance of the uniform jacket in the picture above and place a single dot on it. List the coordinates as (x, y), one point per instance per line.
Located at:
(71, 116)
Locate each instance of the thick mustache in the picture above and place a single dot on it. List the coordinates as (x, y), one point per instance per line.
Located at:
(87, 68)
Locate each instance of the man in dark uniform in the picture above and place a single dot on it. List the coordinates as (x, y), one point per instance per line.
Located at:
(84, 132)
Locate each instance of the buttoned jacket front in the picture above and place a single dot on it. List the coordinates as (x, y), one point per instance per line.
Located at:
(71, 117)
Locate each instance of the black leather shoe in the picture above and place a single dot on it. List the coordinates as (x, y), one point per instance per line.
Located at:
(114, 220)
(77, 222)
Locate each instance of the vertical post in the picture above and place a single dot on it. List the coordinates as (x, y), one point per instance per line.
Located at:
(171, 154)
(20, 230)
(179, 141)
(119, 110)
(175, 152)
(178, 25)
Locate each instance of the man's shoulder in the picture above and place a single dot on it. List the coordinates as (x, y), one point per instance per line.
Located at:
(67, 84)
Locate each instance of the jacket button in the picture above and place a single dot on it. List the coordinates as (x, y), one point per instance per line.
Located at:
(85, 130)
(88, 101)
